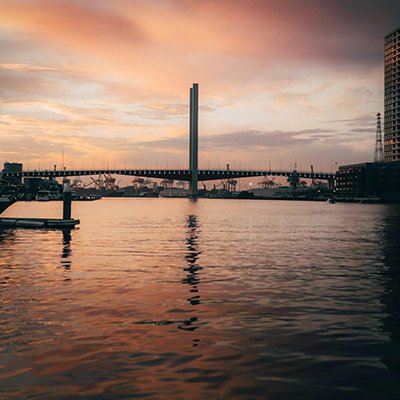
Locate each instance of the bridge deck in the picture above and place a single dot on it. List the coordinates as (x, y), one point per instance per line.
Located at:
(175, 174)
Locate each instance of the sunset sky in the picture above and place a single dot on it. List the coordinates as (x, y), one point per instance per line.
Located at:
(107, 82)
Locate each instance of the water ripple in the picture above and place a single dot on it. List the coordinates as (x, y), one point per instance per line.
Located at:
(166, 298)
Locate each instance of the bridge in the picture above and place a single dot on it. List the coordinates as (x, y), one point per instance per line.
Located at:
(175, 174)
(191, 175)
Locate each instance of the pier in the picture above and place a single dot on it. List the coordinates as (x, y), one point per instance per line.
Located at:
(67, 222)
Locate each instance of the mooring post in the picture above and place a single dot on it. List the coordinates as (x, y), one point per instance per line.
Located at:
(67, 200)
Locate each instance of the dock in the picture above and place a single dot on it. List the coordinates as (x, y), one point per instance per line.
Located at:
(67, 222)
(52, 223)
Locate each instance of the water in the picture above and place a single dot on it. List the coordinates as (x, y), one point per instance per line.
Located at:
(218, 299)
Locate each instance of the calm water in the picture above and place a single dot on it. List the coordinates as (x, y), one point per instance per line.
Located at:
(218, 299)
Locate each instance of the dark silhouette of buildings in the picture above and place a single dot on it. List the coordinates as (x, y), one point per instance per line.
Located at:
(380, 179)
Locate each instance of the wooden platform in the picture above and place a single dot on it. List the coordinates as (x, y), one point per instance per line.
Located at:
(38, 223)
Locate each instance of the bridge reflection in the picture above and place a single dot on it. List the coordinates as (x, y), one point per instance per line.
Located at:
(192, 277)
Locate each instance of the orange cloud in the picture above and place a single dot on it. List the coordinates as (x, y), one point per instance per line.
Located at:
(105, 70)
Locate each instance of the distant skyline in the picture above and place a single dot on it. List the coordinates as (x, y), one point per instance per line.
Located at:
(107, 83)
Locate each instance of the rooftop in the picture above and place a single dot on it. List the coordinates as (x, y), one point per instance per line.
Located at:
(391, 33)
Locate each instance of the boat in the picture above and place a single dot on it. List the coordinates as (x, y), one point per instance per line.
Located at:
(43, 195)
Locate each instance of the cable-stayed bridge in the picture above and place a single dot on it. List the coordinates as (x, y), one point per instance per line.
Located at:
(191, 175)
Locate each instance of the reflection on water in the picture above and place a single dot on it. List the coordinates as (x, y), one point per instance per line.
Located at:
(192, 278)
(6, 234)
(66, 249)
(171, 299)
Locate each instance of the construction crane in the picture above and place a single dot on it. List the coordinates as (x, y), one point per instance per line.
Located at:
(77, 183)
(313, 181)
(140, 183)
(267, 183)
(167, 183)
(229, 184)
(105, 181)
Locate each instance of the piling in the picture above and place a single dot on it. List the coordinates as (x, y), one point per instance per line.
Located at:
(67, 200)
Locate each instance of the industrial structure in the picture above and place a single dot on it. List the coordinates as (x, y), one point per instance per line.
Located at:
(392, 96)
(378, 154)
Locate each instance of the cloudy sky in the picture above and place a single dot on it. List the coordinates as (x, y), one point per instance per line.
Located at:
(106, 82)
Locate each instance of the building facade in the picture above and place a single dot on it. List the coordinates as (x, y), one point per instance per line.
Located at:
(13, 167)
(379, 180)
(392, 96)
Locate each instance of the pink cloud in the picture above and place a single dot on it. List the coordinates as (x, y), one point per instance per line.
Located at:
(139, 57)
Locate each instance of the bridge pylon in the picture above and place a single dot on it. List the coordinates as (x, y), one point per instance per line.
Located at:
(194, 140)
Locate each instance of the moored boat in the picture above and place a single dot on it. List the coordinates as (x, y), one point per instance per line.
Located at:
(43, 195)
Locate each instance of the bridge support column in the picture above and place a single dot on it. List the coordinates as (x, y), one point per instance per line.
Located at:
(194, 140)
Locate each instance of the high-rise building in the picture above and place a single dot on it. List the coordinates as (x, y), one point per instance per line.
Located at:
(392, 96)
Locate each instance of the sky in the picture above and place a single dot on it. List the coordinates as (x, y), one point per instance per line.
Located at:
(100, 83)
